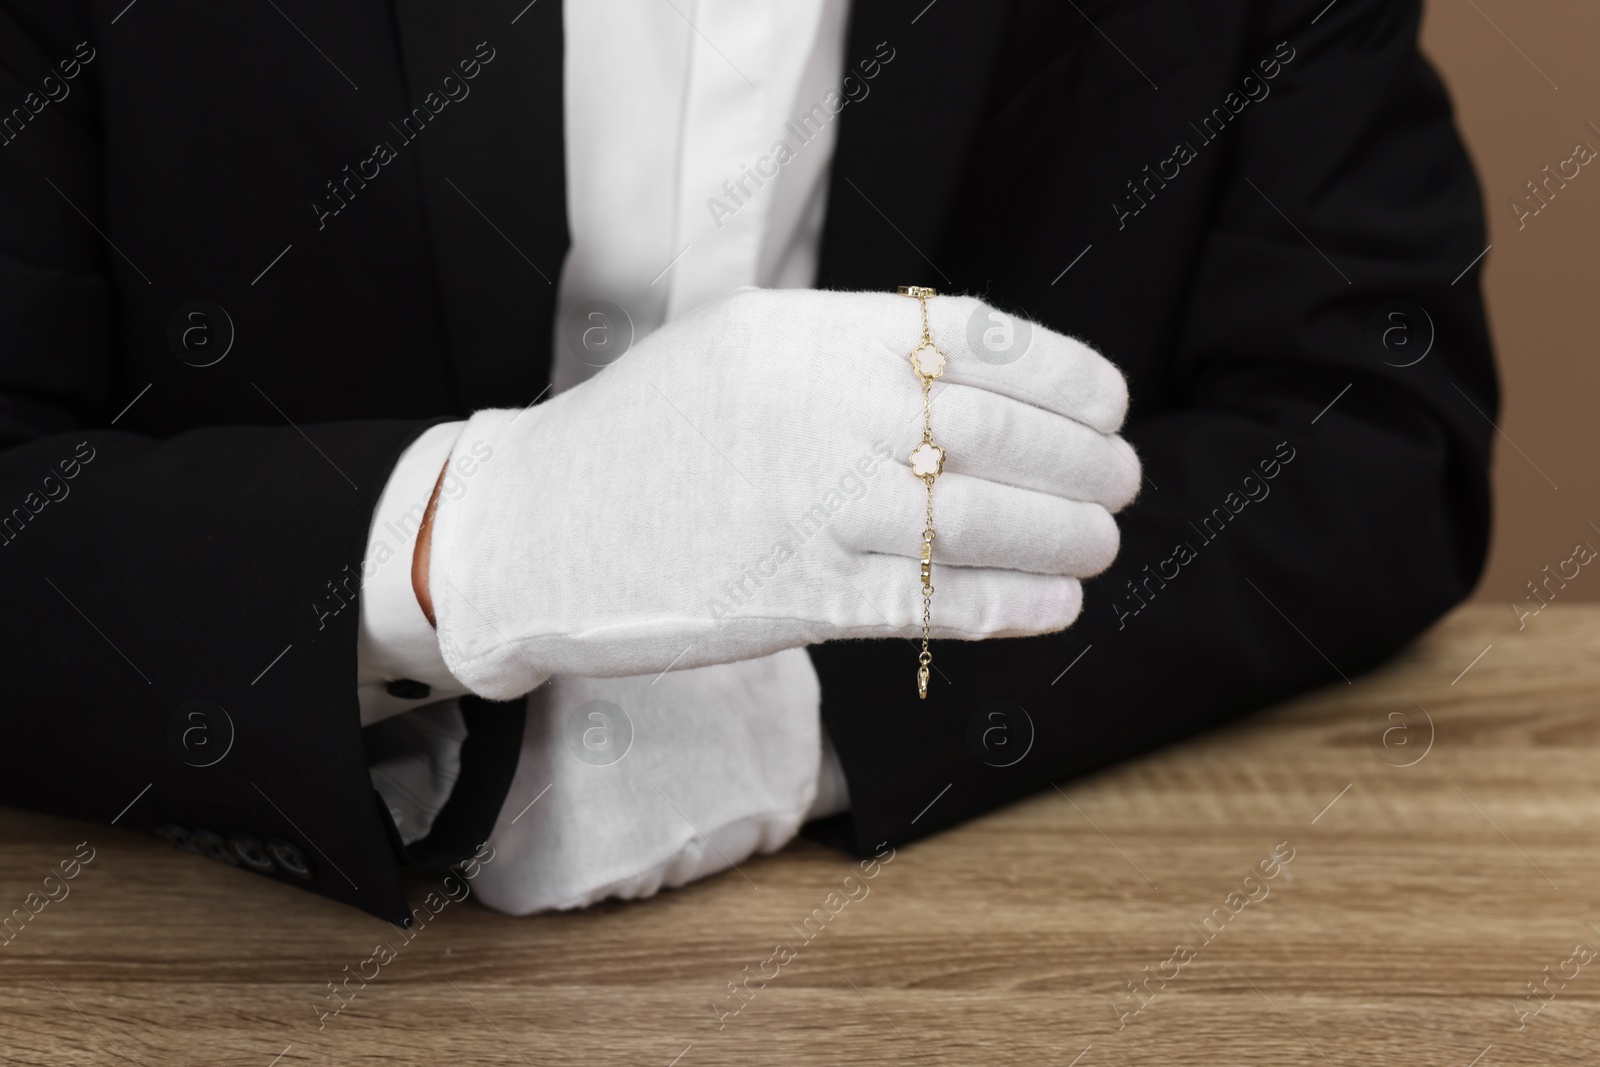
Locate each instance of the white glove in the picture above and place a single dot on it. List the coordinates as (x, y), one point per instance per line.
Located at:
(739, 484)
(629, 785)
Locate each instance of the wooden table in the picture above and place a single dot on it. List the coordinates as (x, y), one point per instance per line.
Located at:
(1419, 901)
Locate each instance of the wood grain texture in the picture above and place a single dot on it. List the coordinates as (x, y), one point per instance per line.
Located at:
(1404, 929)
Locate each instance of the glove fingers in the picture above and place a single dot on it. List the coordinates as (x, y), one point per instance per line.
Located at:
(983, 346)
(999, 439)
(979, 523)
(969, 603)
(1035, 365)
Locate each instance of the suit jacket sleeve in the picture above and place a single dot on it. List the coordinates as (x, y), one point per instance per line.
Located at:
(1311, 505)
(180, 614)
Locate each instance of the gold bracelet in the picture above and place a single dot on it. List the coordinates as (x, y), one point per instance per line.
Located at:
(927, 461)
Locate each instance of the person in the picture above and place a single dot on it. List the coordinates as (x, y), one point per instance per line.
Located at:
(367, 368)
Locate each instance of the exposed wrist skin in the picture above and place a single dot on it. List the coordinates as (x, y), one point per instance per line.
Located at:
(420, 553)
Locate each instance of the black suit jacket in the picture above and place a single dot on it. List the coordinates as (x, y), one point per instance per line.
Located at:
(1233, 205)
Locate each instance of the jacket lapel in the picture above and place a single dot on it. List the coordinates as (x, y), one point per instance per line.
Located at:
(493, 164)
(490, 147)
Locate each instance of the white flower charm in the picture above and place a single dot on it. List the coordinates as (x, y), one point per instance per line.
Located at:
(927, 361)
(928, 460)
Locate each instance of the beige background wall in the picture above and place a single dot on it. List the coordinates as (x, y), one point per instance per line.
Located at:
(1542, 281)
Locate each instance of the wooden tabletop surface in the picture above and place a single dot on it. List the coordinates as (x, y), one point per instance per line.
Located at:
(1428, 868)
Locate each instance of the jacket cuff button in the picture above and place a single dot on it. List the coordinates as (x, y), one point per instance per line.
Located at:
(290, 860)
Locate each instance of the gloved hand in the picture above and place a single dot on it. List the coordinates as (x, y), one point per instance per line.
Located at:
(738, 484)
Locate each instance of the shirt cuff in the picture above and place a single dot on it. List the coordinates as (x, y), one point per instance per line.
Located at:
(398, 663)
(833, 794)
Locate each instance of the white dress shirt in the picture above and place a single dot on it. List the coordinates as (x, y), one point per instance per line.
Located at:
(677, 192)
